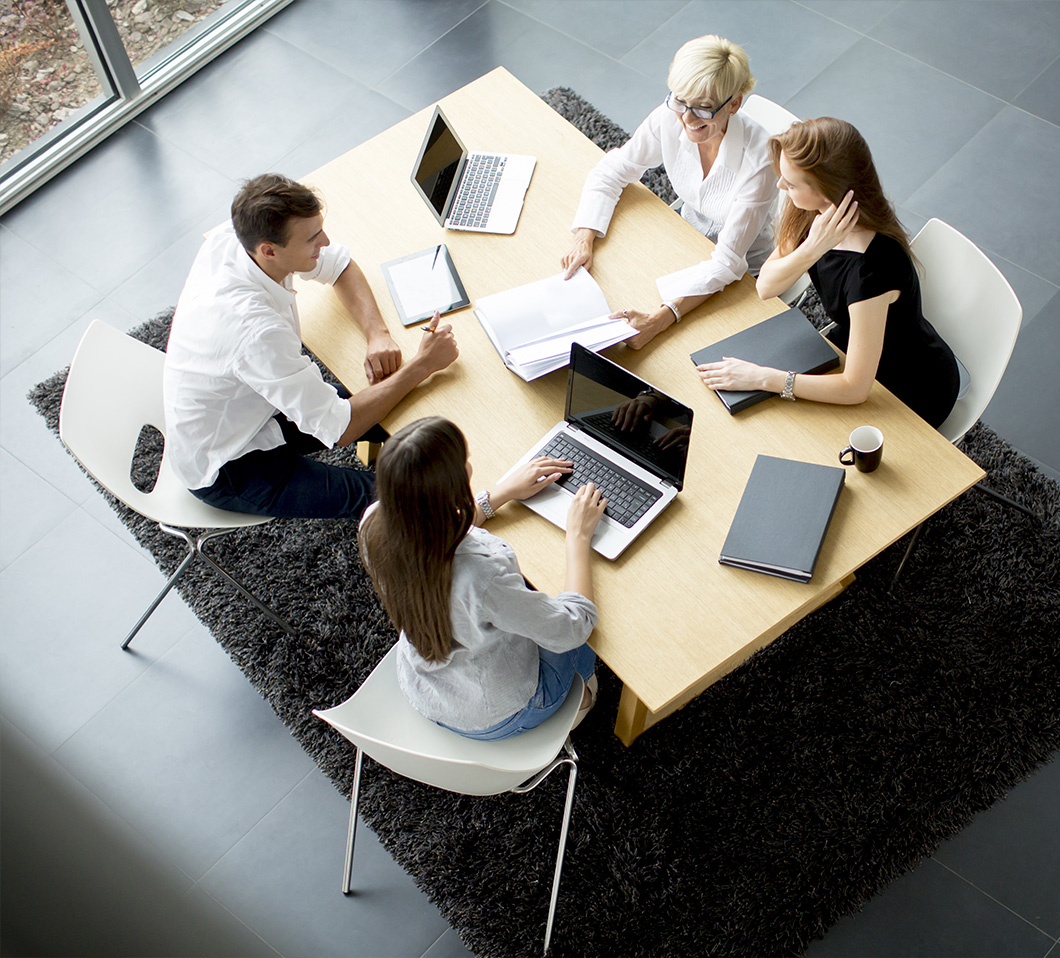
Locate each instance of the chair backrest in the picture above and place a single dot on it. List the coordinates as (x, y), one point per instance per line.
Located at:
(972, 306)
(771, 115)
(113, 390)
(379, 719)
(776, 120)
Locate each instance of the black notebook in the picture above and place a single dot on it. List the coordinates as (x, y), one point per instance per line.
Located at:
(782, 518)
(785, 341)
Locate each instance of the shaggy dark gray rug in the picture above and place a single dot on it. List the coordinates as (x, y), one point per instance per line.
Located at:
(777, 802)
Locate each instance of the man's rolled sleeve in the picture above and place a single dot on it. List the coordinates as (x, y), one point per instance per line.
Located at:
(275, 368)
(330, 264)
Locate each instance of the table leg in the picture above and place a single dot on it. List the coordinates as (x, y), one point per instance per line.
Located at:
(634, 717)
(632, 713)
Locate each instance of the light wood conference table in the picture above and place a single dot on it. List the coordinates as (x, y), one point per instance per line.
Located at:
(672, 620)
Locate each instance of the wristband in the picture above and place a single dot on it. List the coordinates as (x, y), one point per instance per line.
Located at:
(673, 309)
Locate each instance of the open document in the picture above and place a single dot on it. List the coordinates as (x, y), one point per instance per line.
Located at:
(532, 327)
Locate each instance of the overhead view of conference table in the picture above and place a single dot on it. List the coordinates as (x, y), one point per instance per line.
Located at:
(672, 620)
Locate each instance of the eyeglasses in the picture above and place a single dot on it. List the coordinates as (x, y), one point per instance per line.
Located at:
(703, 112)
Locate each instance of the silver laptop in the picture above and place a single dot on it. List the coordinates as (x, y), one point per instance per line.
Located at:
(480, 192)
(625, 435)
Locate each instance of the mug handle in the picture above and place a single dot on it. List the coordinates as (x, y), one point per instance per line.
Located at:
(846, 462)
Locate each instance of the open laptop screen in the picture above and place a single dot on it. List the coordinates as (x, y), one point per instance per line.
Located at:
(439, 164)
(628, 414)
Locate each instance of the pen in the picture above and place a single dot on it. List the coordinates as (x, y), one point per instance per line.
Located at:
(437, 250)
(427, 329)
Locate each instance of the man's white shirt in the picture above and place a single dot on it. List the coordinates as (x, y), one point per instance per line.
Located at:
(235, 359)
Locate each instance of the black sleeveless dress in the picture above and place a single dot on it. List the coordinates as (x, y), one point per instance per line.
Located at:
(916, 364)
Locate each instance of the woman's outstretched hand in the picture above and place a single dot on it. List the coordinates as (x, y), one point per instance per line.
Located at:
(580, 254)
(731, 373)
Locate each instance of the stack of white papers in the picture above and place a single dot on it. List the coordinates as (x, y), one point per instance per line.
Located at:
(532, 327)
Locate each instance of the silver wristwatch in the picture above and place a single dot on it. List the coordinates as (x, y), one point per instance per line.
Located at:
(482, 500)
(789, 387)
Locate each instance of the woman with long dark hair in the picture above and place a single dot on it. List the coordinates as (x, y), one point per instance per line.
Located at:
(480, 652)
(837, 224)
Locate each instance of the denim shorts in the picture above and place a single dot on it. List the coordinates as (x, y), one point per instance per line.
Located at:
(554, 678)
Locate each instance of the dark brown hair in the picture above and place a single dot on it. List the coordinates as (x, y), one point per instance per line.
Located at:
(408, 541)
(837, 159)
(264, 206)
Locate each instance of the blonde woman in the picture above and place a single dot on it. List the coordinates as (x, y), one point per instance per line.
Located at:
(719, 165)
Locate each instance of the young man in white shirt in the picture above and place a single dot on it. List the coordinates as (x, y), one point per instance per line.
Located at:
(243, 405)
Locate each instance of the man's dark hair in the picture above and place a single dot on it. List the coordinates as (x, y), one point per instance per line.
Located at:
(262, 209)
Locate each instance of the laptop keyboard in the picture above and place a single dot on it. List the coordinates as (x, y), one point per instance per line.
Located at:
(478, 187)
(627, 498)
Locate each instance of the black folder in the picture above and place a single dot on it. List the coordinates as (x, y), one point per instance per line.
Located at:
(785, 341)
(782, 518)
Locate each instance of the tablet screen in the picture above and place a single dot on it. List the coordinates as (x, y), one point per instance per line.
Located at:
(424, 282)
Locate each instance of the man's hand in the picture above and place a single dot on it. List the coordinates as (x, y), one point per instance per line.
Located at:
(438, 347)
(382, 358)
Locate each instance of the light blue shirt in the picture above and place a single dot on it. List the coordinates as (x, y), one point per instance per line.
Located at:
(498, 624)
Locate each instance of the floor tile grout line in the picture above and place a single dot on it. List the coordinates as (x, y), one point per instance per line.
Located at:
(997, 901)
(435, 942)
(1044, 70)
(420, 53)
(242, 838)
(196, 886)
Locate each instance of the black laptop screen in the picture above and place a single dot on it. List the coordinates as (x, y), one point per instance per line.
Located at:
(439, 165)
(628, 414)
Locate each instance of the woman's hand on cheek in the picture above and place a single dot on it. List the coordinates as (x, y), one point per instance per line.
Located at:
(831, 226)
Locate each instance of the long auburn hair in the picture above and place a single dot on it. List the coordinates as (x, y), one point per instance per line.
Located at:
(408, 541)
(836, 157)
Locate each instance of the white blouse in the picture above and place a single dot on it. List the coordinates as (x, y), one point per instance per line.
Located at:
(731, 206)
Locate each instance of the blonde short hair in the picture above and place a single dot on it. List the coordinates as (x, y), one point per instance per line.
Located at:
(710, 69)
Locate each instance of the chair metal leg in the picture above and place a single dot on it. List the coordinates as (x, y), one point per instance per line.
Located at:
(195, 549)
(567, 757)
(347, 871)
(908, 552)
(571, 782)
(238, 586)
(173, 580)
(994, 494)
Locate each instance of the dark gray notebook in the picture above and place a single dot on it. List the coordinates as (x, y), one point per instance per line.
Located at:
(782, 518)
(785, 341)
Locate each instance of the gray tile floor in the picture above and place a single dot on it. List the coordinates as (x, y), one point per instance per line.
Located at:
(159, 776)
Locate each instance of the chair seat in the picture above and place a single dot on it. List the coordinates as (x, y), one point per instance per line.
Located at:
(379, 719)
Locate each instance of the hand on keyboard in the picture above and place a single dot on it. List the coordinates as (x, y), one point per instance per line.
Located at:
(586, 511)
(529, 479)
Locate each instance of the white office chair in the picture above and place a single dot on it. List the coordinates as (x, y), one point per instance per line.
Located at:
(379, 721)
(973, 308)
(776, 120)
(114, 389)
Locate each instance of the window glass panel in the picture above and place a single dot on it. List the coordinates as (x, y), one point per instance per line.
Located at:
(45, 74)
(150, 27)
